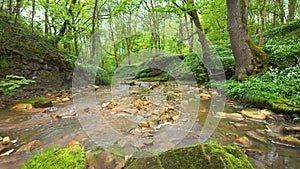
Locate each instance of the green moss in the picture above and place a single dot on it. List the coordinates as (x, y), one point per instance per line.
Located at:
(58, 158)
(204, 156)
(38, 102)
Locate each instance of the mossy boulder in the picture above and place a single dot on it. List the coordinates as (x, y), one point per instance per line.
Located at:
(58, 158)
(209, 155)
(38, 102)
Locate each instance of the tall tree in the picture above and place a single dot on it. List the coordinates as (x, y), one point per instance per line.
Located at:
(46, 17)
(18, 9)
(32, 15)
(263, 16)
(249, 59)
(292, 7)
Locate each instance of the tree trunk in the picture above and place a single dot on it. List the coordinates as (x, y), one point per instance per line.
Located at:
(274, 14)
(46, 17)
(204, 44)
(292, 8)
(32, 15)
(10, 8)
(93, 28)
(249, 59)
(263, 15)
(114, 44)
(18, 10)
(281, 11)
(65, 25)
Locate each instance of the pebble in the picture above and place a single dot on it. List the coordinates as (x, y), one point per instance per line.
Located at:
(5, 140)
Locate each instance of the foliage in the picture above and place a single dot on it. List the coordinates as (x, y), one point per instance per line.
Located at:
(283, 52)
(58, 158)
(273, 86)
(12, 83)
(225, 55)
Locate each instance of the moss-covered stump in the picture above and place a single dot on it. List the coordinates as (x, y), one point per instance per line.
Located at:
(202, 156)
(38, 102)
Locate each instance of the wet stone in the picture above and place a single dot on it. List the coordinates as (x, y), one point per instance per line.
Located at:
(254, 135)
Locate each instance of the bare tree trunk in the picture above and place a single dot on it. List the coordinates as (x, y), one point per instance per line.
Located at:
(263, 15)
(180, 36)
(18, 10)
(292, 8)
(204, 44)
(191, 40)
(274, 14)
(46, 18)
(281, 11)
(10, 7)
(93, 28)
(114, 44)
(32, 15)
(249, 59)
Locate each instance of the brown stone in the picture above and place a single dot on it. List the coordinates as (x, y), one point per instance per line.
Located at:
(72, 144)
(5, 140)
(143, 124)
(29, 146)
(254, 135)
(254, 114)
(243, 142)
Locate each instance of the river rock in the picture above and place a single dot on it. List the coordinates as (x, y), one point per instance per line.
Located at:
(204, 96)
(196, 156)
(138, 104)
(5, 140)
(6, 151)
(136, 132)
(235, 116)
(254, 135)
(243, 142)
(99, 158)
(254, 114)
(289, 140)
(292, 129)
(72, 144)
(28, 147)
(65, 99)
(143, 124)
(38, 102)
(23, 106)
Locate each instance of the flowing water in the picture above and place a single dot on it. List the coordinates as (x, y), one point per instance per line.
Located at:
(96, 125)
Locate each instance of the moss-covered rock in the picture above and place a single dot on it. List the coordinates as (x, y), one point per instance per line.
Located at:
(58, 158)
(38, 102)
(209, 155)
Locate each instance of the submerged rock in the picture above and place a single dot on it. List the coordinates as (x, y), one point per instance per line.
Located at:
(289, 140)
(243, 142)
(29, 146)
(204, 156)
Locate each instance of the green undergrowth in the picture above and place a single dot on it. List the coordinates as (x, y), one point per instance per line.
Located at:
(204, 156)
(58, 158)
(278, 90)
(11, 84)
